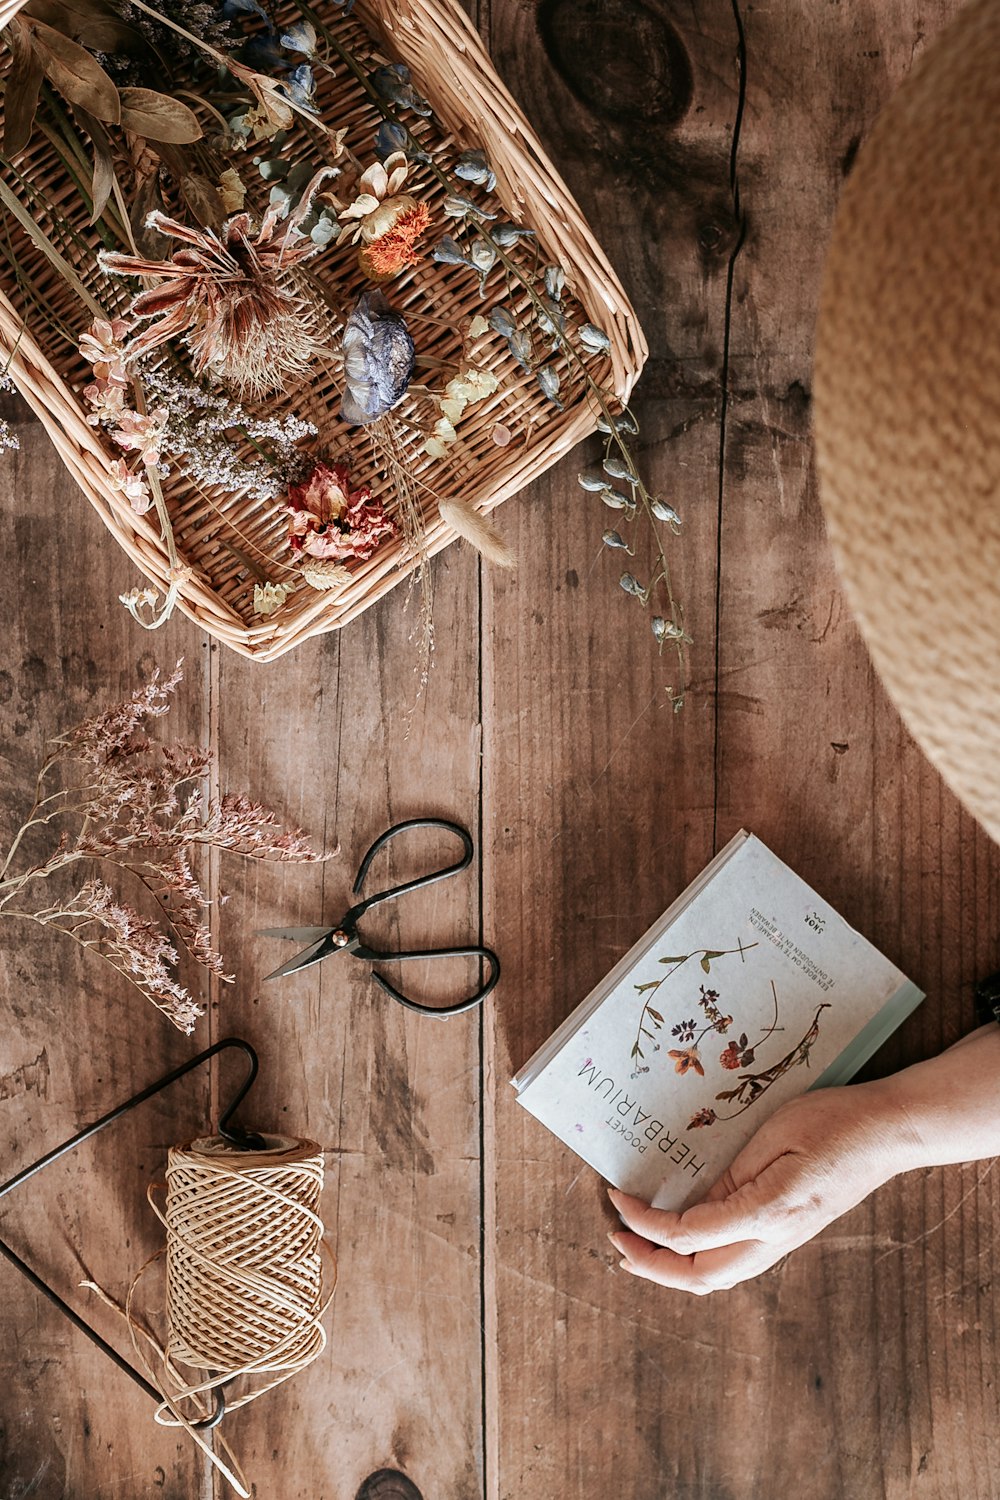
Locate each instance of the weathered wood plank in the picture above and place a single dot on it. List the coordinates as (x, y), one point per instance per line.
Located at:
(599, 798)
(75, 1039)
(600, 1387)
(336, 737)
(881, 1330)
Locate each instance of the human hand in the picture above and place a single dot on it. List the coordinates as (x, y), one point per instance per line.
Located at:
(815, 1158)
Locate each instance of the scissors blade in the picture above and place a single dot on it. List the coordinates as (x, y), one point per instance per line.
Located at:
(303, 960)
(295, 934)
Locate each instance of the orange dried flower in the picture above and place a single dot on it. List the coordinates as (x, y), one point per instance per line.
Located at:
(687, 1057)
(394, 249)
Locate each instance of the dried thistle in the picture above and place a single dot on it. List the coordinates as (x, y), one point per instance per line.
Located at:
(131, 804)
(224, 295)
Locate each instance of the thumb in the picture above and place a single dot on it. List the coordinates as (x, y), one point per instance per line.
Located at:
(726, 1215)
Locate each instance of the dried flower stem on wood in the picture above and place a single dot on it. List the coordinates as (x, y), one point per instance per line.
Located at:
(135, 806)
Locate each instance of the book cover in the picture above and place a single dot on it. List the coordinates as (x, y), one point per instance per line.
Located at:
(747, 991)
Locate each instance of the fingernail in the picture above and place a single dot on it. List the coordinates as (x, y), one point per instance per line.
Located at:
(614, 1240)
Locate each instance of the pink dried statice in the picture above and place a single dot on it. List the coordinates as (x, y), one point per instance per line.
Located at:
(138, 807)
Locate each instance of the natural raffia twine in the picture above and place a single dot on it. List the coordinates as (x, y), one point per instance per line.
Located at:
(245, 1288)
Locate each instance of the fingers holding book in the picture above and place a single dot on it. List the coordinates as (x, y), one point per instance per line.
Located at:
(814, 1159)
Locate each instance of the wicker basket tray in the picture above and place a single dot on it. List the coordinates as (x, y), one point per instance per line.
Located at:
(216, 531)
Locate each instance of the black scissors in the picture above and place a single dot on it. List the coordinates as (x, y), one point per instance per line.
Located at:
(343, 936)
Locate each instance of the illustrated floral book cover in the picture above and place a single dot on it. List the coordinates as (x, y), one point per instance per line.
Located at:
(749, 990)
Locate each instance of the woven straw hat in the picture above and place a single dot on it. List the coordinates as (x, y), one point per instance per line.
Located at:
(907, 402)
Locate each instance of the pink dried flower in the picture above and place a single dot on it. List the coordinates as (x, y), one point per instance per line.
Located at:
(142, 433)
(132, 485)
(106, 399)
(331, 520)
(101, 346)
(139, 808)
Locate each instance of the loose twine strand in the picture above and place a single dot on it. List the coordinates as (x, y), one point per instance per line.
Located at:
(245, 1287)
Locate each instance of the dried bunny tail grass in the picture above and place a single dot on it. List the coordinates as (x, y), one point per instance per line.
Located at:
(477, 530)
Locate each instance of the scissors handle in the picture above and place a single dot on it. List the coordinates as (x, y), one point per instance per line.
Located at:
(486, 954)
(411, 885)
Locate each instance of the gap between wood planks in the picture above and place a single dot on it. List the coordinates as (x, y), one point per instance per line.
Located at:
(734, 188)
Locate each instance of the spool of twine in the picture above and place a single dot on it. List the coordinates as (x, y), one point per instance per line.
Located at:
(245, 1284)
(244, 1264)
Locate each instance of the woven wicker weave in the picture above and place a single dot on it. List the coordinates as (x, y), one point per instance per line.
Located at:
(450, 66)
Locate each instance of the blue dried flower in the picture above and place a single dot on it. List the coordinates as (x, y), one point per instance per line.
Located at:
(392, 83)
(378, 360)
(301, 87)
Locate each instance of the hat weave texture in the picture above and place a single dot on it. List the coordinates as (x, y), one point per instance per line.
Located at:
(907, 402)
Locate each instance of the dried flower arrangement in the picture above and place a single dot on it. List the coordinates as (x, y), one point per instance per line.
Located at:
(124, 803)
(318, 324)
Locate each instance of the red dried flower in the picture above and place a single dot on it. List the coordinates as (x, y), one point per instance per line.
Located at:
(702, 1117)
(732, 1057)
(331, 520)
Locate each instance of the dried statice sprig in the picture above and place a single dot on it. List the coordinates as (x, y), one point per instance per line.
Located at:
(207, 428)
(123, 802)
(9, 441)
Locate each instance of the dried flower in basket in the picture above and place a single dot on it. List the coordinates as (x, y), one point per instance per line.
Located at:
(378, 360)
(332, 522)
(223, 294)
(391, 222)
(126, 804)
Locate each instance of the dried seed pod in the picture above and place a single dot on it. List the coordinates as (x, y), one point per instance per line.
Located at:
(614, 501)
(612, 539)
(548, 380)
(632, 585)
(594, 339)
(664, 512)
(619, 469)
(593, 478)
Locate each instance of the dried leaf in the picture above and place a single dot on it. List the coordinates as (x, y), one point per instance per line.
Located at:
(104, 169)
(232, 193)
(90, 22)
(75, 73)
(21, 92)
(157, 117)
(201, 198)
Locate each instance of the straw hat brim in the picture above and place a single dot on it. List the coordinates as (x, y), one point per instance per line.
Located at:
(907, 402)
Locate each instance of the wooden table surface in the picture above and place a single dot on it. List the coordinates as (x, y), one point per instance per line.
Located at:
(483, 1341)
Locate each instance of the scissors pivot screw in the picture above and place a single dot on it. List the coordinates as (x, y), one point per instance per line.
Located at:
(340, 938)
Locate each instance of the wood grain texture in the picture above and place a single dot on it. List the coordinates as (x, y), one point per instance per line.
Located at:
(345, 742)
(599, 799)
(482, 1339)
(876, 1337)
(75, 1039)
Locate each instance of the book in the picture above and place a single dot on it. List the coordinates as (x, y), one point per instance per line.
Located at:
(747, 991)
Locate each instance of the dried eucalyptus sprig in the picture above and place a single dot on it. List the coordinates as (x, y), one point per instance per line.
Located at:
(120, 802)
(390, 89)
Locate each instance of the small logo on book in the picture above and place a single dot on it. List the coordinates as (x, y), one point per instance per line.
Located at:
(815, 921)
